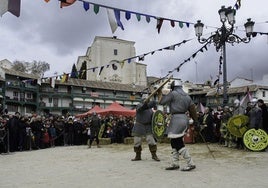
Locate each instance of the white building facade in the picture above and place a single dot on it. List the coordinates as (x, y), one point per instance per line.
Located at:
(106, 54)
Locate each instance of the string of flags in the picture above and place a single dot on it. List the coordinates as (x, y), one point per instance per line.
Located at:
(142, 57)
(114, 15)
(204, 47)
(217, 81)
(64, 78)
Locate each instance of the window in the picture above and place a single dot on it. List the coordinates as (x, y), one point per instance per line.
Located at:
(55, 102)
(28, 95)
(15, 94)
(115, 52)
(12, 108)
(50, 100)
(263, 94)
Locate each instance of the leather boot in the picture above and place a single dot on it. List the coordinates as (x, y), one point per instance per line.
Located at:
(137, 150)
(153, 149)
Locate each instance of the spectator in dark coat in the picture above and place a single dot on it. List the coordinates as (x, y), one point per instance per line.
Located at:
(263, 107)
(13, 127)
(208, 123)
(22, 133)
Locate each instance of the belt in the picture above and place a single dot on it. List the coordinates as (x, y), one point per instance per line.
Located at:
(178, 113)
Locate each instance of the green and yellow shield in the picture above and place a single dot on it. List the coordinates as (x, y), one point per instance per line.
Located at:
(158, 124)
(255, 140)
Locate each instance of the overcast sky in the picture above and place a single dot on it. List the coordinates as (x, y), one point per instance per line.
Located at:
(46, 32)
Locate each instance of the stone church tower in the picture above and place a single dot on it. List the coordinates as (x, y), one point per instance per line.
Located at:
(105, 55)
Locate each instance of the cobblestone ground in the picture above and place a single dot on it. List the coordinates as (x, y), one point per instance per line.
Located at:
(111, 166)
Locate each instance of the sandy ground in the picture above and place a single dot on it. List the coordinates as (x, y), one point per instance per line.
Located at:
(110, 166)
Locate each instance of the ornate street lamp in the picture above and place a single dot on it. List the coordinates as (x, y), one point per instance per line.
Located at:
(223, 35)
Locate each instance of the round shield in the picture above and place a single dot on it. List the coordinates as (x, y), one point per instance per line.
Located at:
(255, 140)
(237, 125)
(158, 124)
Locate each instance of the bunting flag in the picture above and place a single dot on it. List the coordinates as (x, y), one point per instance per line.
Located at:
(148, 19)
(127, 15)
(64, 78)
(96, 8)
(101, 69)
(237, 4)
(111, 19)
(141, 58)
(39, 81)
(159, 24)
(122, 63)
(86, 5)
(216, 82)
(117, 17)
(52, 82)
(3, 7)
(172, 23)
(66, 3)
(138, 16)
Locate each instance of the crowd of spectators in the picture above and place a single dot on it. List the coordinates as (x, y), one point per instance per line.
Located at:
(21, 133)
(213, 122)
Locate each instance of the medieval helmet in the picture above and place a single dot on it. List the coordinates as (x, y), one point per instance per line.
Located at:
(176, 83)
(144, 96)
(253, 101)
(236, 102)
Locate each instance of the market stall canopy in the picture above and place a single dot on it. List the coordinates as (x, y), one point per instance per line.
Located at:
(96, 109)
(116, 109)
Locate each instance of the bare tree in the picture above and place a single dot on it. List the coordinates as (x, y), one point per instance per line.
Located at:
(39, 67)
(19, 66)
(35, 67)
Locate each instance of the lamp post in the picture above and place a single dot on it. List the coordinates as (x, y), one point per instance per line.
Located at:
(224, 35)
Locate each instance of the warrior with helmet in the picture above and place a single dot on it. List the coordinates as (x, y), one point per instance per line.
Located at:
(143, 127)
(238, 109)
(255, 115)
(179, 103)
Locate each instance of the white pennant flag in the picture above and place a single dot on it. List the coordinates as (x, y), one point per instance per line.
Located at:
(3, 7)
(52, 82)
(112, 20)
